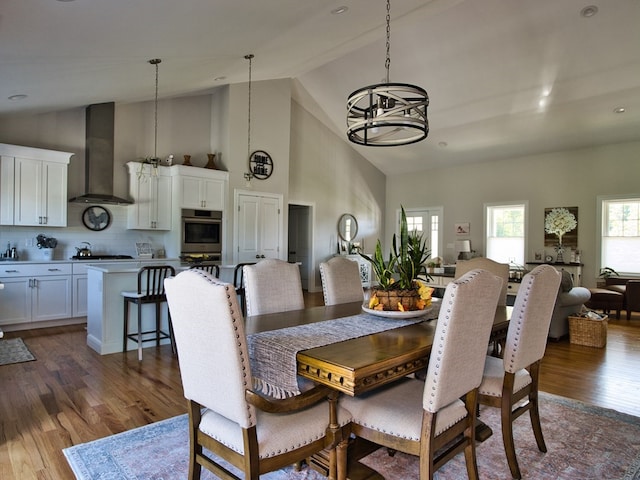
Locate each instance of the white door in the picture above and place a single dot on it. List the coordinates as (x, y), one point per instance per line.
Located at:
(259, 223)
(427, 221)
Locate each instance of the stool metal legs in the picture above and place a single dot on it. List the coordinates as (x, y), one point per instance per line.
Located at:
(138, 335)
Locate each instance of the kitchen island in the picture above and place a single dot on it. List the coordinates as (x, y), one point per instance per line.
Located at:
(105, 310)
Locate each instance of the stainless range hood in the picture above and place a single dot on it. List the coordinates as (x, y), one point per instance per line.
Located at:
(99, 157)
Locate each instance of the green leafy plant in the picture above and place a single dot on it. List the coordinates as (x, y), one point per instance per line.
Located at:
(46, 242)
(607, 272)
(405, 260)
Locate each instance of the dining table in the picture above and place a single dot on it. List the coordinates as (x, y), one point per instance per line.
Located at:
(352, 351)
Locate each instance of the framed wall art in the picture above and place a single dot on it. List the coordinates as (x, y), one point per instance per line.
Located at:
(570, 238)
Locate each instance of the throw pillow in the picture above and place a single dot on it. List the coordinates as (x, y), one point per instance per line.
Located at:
(566, 284)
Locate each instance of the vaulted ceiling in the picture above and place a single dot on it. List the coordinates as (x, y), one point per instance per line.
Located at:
(506, 78)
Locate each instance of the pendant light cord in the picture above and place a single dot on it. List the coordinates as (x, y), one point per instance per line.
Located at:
(250, 58)
(155, 62)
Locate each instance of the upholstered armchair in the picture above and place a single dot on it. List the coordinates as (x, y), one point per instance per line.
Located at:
(254, 433)
(271, 286)
(569, 302)
(511, 383)
(633, 297)
(499, 269)
(341, 281)
(422, 418)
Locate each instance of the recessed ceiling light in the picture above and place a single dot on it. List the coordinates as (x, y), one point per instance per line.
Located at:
(20, 96)
(589, 11)
(619, 110)
(339, 10)
(443, 144)
(217, 79)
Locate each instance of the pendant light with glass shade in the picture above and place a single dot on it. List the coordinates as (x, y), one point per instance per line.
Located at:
(154, 160)
(248, 175)
(387, 114)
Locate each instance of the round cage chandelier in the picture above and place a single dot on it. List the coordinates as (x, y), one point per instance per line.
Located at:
(387, 114)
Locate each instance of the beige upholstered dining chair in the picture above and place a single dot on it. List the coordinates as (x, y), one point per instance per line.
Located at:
(341, 281)
(271, 286)
(251, 432)
(420, 418)
(499, 269)
(509, 380)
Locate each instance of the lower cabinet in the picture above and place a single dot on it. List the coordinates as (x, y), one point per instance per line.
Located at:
(35, 293)
(79, 287)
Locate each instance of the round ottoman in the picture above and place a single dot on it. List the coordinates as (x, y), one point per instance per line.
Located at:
(605, 300)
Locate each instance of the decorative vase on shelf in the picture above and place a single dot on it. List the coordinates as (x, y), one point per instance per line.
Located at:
(47, 254)
(211, 164)
(560, 250)
(187, 160)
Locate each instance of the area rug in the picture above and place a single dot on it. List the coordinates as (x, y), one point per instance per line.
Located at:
(14, 351)
(584, 442)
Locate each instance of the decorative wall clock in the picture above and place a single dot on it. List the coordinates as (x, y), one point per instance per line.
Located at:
(96, 218)
(260, 164)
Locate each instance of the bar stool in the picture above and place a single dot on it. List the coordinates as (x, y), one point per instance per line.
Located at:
(238, 283)
(150, 290)
(212, 269)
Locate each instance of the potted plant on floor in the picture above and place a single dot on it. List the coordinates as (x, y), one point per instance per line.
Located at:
(398, 287)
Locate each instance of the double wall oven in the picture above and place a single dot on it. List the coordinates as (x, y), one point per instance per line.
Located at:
(201, 233)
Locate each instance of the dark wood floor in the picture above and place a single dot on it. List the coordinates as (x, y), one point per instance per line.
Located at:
(72, 395)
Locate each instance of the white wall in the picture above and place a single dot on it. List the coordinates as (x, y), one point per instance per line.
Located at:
(561, 179)
(328, 174)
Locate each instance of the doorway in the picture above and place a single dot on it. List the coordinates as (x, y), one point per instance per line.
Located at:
(300, 242)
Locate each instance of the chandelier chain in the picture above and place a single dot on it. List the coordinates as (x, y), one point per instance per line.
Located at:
(387, 62)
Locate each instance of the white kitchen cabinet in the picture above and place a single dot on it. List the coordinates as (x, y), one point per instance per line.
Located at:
(200, 188)
(79, 289)
(35, 292)
(33, 186)
(15, 300)
(259, 226)
(151, 191)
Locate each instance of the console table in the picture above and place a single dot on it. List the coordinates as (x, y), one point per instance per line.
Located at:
(441, 280)
(575, 269)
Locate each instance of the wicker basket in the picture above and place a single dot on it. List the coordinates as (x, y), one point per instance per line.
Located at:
(585, 331)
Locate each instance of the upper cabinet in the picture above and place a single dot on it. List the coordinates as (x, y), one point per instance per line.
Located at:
(33, 186)
(150, 188)
(200, 188)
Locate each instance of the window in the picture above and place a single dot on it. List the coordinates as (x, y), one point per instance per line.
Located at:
(428, 222)
(506, 232)
(620, 234)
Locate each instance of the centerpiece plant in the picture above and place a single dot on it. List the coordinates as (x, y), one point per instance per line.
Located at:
(398, 286)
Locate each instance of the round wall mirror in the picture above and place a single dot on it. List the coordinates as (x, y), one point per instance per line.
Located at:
(347, 227)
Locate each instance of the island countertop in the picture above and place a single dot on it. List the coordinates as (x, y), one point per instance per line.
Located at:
(135, 265)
